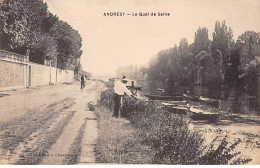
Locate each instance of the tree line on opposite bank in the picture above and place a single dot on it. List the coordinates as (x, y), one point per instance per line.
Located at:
(220, 64)
(27, 27)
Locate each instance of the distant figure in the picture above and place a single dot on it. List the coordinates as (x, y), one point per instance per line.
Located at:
(119, 90)
(82, 81)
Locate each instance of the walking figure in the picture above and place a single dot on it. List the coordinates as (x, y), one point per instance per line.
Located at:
(82, 81)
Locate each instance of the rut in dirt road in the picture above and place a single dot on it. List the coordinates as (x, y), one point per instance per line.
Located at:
(52, 134)
(69, 147)
(30, 135)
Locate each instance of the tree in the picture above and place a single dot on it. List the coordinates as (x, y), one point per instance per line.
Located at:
(250, 43)
(221, 46)
(21, 24)
(234, 63)
(27, 25)
(69, 43)
(201, 41)
(186, 58)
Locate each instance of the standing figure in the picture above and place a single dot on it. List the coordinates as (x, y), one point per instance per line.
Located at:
(82, 81)
(119, 90)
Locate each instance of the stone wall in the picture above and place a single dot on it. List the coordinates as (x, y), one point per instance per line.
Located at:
(12, 70)
(40, 74)
(65, 76)
(17, 72)
(11, 74)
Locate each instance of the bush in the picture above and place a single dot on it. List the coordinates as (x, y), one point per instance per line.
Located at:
(224, 154)
(168, 134)
(107, 99)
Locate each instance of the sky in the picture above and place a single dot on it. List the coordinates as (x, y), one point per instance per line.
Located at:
(113, 41)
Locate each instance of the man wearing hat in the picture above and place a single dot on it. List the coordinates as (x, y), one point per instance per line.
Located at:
(119, 90)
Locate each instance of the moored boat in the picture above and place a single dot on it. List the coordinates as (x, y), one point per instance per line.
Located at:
(190, 97)
(202, 100)
(177, 109)
(209, 101)
(198, 114)
(167, 98)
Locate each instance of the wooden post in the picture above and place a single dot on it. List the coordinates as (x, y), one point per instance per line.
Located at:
(121, 105)
(56, 68)
(28, 70)
(50, 71)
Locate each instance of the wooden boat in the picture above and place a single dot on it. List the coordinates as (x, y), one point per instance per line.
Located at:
(179, 102)
(169, 104)
(134, 87)
(202, 100)
(168, 98)
(209, 101)
(174, 103)
(177, 109)
(198, 114)
(190, 97)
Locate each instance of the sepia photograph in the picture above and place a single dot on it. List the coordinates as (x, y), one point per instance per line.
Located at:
(130, 82)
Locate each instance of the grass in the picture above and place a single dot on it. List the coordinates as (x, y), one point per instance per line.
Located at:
(166, 134)
(119, 142)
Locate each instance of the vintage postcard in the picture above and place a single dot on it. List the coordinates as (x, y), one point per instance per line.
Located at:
(129, 82)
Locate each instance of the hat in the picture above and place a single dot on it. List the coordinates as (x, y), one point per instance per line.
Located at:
(124, 78)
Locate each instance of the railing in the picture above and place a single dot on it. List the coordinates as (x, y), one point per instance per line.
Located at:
(9, 56)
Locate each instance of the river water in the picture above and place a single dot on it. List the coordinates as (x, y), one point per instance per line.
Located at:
(234, 100)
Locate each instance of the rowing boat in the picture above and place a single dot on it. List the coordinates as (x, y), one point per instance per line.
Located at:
(177, 109)
(209, 101)
(198, 114)
(190, 97)
(168, 98)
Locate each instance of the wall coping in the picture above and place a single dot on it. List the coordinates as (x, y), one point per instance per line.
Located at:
(13, 57)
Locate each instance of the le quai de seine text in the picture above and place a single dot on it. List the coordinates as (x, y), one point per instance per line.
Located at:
(137, 14)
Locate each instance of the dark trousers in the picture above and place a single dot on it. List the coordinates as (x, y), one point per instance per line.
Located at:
(82, 85)
(117, 102)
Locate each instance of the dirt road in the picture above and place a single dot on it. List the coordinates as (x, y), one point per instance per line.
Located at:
(48, 125)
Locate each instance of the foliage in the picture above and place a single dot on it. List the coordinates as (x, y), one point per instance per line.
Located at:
(250, 43)
(21, 22)
(172, 67)
(68, 44)
(119, 141)
(169, 135)
(216, 65)
(224, 154)
(26, 25)
(132, 72)
(201, 41)
(106, 99)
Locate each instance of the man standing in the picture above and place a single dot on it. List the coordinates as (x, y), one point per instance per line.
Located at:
(119, 90)
(82, 81)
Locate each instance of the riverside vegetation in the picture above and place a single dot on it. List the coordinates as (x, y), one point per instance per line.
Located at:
(161, 137)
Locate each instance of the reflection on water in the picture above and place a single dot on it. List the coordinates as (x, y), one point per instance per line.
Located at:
(232, 100)
(235, 99)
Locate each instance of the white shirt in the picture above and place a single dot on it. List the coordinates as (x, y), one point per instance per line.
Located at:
(120, 88)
